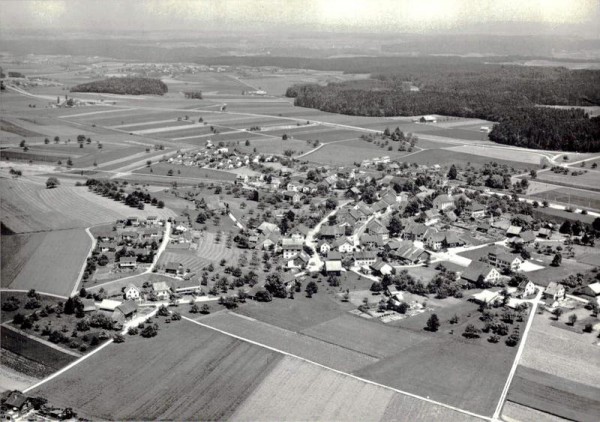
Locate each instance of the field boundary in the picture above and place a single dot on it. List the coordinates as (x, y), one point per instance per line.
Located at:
(41, 340)
(447, 406)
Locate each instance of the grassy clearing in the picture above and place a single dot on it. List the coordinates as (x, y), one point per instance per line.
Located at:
(29, 356)
(354, 151)
(555, 395)
(323, 352)
(185, 373)
(505, 154)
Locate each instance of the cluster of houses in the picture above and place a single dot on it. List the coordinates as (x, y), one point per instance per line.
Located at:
(219, 157)
(133, 241)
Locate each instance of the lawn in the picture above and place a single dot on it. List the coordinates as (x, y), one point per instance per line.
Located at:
(185, 373)
(29, 356)
(567, 196)
(446, 156)
(21, 247)
(353, 151)
(555, 395)
(588, 180)
(54, 265)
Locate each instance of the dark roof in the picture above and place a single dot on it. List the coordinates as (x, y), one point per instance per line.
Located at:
(475, 269)
(334, 256)
(16, 399)
(128, 307)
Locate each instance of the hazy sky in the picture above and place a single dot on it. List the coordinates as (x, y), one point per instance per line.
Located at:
(331, 15)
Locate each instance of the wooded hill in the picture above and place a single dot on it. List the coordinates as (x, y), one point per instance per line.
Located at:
(126, 86)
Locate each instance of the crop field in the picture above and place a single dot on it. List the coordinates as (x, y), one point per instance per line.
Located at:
(368, 337)
(30, 356)
(588, 180)
(53, 266)
(185, 373)
(452, 371)
(307, 347)
(21, 247)
(521, 156)
(15, 129)
(296, 390)
(567, 196)
(447, 156)
(463, 133)
(555, 395)
(30, 207)
(561, 352)
(517, 412)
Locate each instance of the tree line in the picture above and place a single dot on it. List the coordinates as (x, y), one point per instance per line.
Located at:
(510, 95)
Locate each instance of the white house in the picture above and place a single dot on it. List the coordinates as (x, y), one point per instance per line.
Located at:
(291, 247)
(132, 292)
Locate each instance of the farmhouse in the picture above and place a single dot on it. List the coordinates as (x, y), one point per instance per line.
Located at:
(554, 291)
(442, 202)
(414, 231)
(479, 271)
(330, 232)
(267, 228)
(128, 262)
(174, 268)
(526, 288)
(485, 296)
(88, 305)
(333, 267)
(125, 311)
(291, 196)
(17, 404)
(291, 247)
(375, 228)
(343, 245)
(505, 260)
(428, 119)
(300, 260)
(475, 210)
(132, 292)
(364, 258)
(161, 290)
(371, 241)
(381, 267)
(324, 248)
(410, 254)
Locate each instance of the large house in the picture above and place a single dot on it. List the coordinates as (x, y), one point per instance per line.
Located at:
(132, 292)
(381, 267)
(364, 258)
(343, 245)
(291, 247)
(554, 291)
(375, 228)
(477, 271)
(475, 210)
(505, 260)
(442, 202)
(161, 290)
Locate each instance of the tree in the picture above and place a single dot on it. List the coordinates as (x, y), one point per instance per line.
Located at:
(52, 182)
(311, 289)
(376, 287)
(513, 339)
(118, 338)
(205, 309)
(149, 331)
(557, 313)
(471, 331)
(452, 173)
(433, 323)
(572, 319)
(566, 228)
(557, 260)
(82, 292)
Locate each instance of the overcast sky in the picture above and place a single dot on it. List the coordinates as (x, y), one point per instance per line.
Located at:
(577, 16)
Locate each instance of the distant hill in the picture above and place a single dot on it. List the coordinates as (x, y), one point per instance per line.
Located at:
(126, 86)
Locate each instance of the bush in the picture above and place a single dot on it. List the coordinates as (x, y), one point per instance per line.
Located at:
(163, 311)
(588, 328)
(118, 338)
(10, 304)
(149, 331)
(132, 331)
(176, 316)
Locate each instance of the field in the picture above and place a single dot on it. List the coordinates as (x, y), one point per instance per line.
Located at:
(185, 373)
(29, 356)
(49, 262)
(300, 391)
(568, 196)
(555, 395)
(28, 207)
(187, 171)
(588, 180)
(353, 151)
(323, 352)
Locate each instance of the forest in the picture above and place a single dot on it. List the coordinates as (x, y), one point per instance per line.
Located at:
(509, 95)
(124, 86)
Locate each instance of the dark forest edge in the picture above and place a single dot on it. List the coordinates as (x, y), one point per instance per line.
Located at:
(509, 95)
(124, 86)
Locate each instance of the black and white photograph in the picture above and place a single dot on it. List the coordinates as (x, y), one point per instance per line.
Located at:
(300, 210)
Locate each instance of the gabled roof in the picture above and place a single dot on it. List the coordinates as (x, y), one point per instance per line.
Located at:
(553, 288)
(160, 286)
(514, 230)
(128, 307)
(476, 269)
(362, 255)
(377, 266)
(527, 236)
(16, 399)
(334, 256)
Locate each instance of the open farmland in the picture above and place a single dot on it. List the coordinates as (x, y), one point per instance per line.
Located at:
(453, 371)
(569, 196)
(354, 151)
(162, 169)
(42, 264)
(555, 395)
(298, 344)
(588, 180)
(499, 153)
(30, 207)
(185, 373)
(296, 390)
